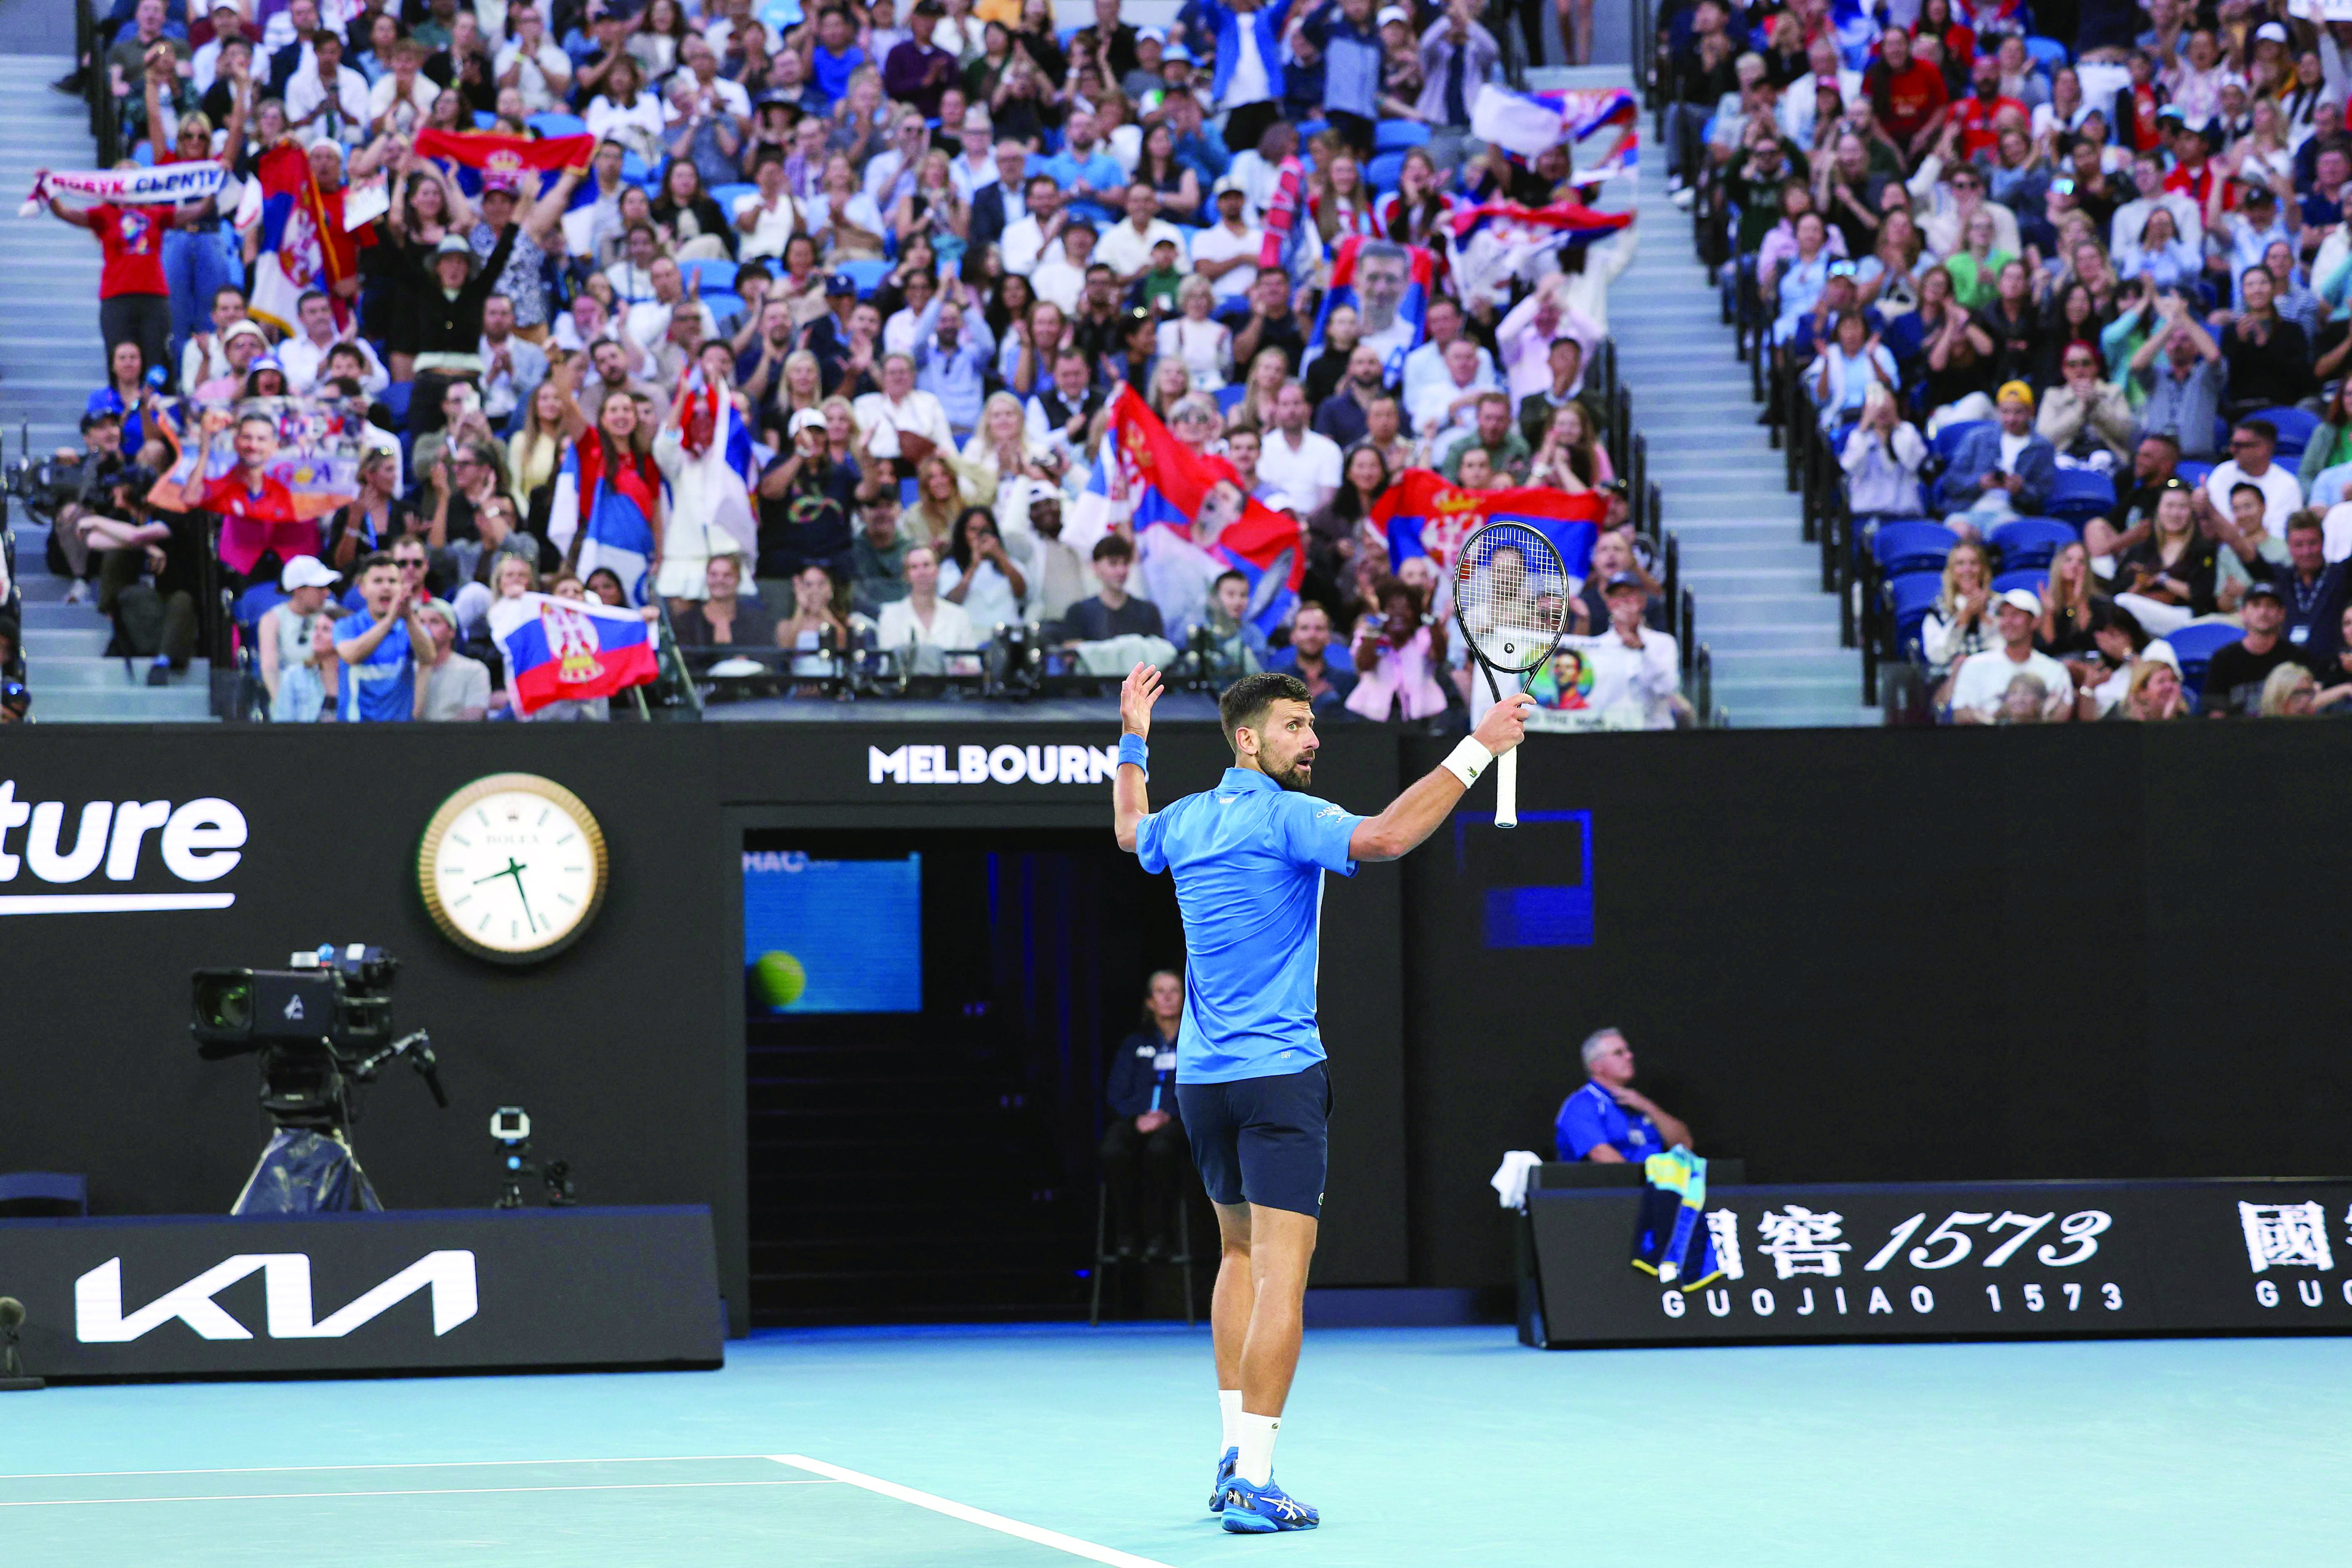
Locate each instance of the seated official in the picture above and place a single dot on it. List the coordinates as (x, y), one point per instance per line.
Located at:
(1608, 1122)
(1144, 1149)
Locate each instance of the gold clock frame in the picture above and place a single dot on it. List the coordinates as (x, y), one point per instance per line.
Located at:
(454, 807)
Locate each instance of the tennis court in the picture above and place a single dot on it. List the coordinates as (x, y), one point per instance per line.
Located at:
(1036, 1447)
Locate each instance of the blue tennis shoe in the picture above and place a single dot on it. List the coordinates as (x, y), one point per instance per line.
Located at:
(1263, 1511)
(1225, 1468)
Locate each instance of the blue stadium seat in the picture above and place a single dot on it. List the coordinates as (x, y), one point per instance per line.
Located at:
(1910, 599)
(1400, 136)
(484, 120)
(555, 124)
(727, 195)
(2047, 54)
(2195, 646)
(395, 397)
(715, 277)
(2192, 472)
(1382, 173)
(1946, 444)
(866, 275)
(2295, 428)
(1902, 549)
(910, 491)
(2025, 542)
(144, 155)
(1229, 398)
(637, 171)
(2078, 494)
(2030, 579)
(256, 602)
(1308, 129)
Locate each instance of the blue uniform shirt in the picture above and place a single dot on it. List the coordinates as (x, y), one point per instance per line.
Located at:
(1591, 1116)
(1249, 857)
(382, 689)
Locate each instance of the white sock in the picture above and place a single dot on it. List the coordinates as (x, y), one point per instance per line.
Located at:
(1257, 1448)
(1229, 1415)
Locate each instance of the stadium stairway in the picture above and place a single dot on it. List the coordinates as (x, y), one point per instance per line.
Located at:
(1772, 631)
(51, 356)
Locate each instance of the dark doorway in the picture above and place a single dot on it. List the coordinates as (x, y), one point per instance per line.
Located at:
(923, 1149)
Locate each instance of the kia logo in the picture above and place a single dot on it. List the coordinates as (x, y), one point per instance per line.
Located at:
(99, 1318)
(198, 842)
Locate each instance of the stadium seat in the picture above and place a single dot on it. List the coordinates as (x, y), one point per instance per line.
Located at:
(143, 155)
(484, 120)
(727, 195)
(1229, 398)
(1946, 444)
(637, 171)
(1400, 136)
(710, 276)
(2047, 54)
(1382, 173)
(910, 491)
(866, 275)
(2192, 472)
(1909, 599)
(1902, 549)
(2030, 579)
(395, 397)
(555, 124)
(1308, 129)
(2195, 646)
(254, 603)
(2078, 494)
(2030, 542)
(2295, 428)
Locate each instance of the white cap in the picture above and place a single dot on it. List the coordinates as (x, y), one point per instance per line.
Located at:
(1150, 36)
(1232, 182)
(1393, 14)
(2023, 599)
(2273, 31)
(811, 419)
(308, 572)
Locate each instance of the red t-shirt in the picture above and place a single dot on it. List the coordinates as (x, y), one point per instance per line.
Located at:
(134, 243)
(1906, 100)
(1976, 117)
(251, 524)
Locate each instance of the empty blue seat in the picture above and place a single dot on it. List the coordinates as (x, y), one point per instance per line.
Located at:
(712, 277)
(2078, 494)
(256, 602)
(637, 171)
(2192, 472)
(1400, 136)
(2025, 542)
(2030, 579)
(2195, 646)
(1382, 173)
(1308, 129)
(2047, 54)
(556, 124)
(1909, 599)
(1946, 444)
(484, 120)
(727, 195)
(2296, 427)
(866, 275)
(1229, 398)
(395, 397)
(1903, 548)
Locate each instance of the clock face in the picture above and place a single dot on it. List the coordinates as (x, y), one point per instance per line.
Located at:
(513, 868)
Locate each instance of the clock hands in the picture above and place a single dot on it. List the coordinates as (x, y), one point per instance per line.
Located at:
(514, 869)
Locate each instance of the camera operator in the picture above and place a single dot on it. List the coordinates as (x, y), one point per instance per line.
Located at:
(78, 486)
(149, 575)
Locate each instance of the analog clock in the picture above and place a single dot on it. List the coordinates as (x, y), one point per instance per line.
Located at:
(513, 868)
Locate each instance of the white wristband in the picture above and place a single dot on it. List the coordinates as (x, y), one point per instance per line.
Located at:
(1467, 761)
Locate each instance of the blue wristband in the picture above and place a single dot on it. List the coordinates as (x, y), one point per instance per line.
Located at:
(1132, 749)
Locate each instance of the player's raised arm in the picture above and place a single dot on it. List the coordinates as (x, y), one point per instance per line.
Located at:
(1414, 815)
(1130, 797)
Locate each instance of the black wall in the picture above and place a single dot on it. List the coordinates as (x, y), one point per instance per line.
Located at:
(1865, 956)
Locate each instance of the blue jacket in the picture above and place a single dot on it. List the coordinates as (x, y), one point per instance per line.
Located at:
(1138, 1082)
(1980, 455)
(1269, 20)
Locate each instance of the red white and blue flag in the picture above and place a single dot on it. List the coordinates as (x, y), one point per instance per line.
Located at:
(1527, 123)
(513, 159)
(1191, 523)
(1425, 513)
(562, 650)
(303, 243)
(1405, 331)
(1561, 222)
(612, 514)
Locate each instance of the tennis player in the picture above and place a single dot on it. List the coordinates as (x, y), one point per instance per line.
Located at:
(1249, 857)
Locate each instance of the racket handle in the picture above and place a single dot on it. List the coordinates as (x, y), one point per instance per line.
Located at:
(1506, 790)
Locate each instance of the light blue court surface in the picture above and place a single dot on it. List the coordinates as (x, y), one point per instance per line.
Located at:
(1421, 1446)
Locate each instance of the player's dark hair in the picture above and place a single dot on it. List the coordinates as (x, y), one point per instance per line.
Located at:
(1245, 704)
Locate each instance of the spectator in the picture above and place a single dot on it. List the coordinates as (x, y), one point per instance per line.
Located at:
(1112, 612)
(1143, 1148)
(1999, 473)
(1293, 459)
(1849, 368)
(2336, 674)
(2268, 356)
(1608, 1121)
(297, 646)
(1882, 459)
(2291, 691)
(1635, 667)
(2312, 587)
(2182, 395)
(806, 501)
(982, 573)
(879, 558)
(2167, 580)
(261, 529)
(922, 621)
(2085, 415)
(134, 301)
(1496, 434)
(2252, 444)
(724, 619)
(1612, 553)
(901, 421)
(1982, 689)
(1307, 656)
(1398, 652)
(378, 645)
(2234, 680)
(455, 688)
(303, 356)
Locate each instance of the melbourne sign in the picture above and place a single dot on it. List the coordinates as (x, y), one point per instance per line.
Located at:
(446, 1289)
(1935, 1261)
(920, 764)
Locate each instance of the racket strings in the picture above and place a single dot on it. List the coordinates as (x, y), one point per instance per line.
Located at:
(1510, 595)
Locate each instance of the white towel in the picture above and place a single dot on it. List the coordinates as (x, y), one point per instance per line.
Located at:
(1510, 1178)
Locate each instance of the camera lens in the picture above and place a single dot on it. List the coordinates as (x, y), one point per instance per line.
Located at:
(226, 1004)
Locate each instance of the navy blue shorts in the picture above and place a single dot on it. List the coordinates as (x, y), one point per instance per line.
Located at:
(1262, 1140)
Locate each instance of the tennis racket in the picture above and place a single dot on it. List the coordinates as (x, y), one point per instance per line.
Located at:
(1510, 600)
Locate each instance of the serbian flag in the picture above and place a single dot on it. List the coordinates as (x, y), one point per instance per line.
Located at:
(1426, 515)
(1191, 521)
(1389, 285)
(613, 515)
(1527, 123)
(303, 243)
(1561, 222)
(479, 152)
(569, 649)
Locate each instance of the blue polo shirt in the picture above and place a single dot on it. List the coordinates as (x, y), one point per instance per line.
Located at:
(1591, 1116)
(1249, 857)
(382, 689)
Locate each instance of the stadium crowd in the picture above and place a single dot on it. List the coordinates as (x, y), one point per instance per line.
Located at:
(2067, 285)
(829, 308)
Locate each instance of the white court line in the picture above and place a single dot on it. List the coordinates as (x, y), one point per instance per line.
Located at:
(402, 1465)
(970, 1515)
(419, 1492)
